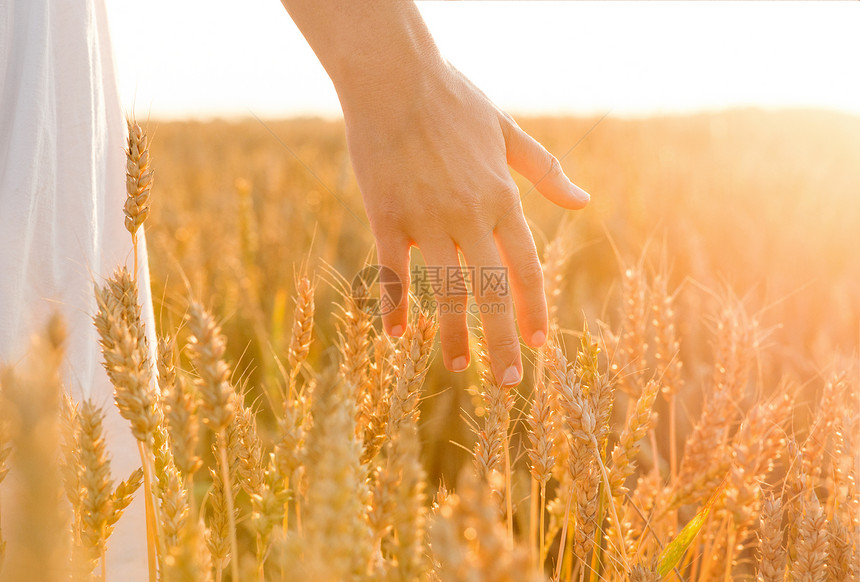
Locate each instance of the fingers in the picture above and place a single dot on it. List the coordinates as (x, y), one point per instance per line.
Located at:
(517, 248)
(451, 293)
(538, 166)
(393, 256)
(492, 294)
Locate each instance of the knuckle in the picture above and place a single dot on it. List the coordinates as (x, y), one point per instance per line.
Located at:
(531, 275)
(507, 190)
(497, 298)
(385, 220)
(555, 169)
(505, 344)
(467, 208)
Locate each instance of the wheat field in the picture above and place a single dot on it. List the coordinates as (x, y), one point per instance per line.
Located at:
(694, 416)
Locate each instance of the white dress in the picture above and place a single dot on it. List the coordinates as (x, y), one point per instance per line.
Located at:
(62, 187)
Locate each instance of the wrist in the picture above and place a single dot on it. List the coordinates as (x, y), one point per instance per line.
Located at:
(398, 68)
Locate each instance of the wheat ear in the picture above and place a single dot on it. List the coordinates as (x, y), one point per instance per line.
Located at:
(30, 407)
(180, 412)
(95, 480)
(541, 432)
(303, 325)
(335, 525)
(138, 182)
(811, 543)
(126, 360)
(207, 347)
(771, 565)
(411, 362)
(490, 446)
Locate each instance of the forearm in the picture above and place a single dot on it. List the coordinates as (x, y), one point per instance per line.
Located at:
(369, 49)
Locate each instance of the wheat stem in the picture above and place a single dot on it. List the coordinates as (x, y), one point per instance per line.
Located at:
(542, 531)
(673, 445)
(151, 533)
(509, 505)
(608, 488)
(231, 512)
(563, 542)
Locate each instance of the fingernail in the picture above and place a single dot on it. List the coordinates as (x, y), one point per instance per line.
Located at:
(511, 376)
(538, 339)
(396, 331)
(581, 194)
(459, 364)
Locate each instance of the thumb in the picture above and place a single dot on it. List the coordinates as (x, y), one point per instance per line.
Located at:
(541, 168)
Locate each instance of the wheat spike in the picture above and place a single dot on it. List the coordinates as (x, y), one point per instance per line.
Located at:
(138, 178)
(580, 424)
(289, 448)
(175, 510)
(771, 566)
(639, 422)
(705, 456)
(354, 344)
(95, 479)
(71, 463)
(556, 256)
(190, 558)
(303, 323)
(383, 482)
(123, 495)
(632, 345)
(218, 524)
(336, 525)
(541, 434)
(30, 409)
(595, 384)
(412, 362)
(492, 438)
(206, 348)
(811, 543)
(838, 552)
(469, 542)
(757, 445)
(180, 411)
(246, 450)
(126, 353)
(641, 573)
(409, 513)
(667, 346)
(373, 419)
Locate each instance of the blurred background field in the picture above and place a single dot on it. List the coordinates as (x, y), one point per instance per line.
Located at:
(764, 205)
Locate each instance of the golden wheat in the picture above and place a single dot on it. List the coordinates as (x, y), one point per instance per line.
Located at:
(590, 473)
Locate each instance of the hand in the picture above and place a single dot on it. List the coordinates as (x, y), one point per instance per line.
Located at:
(431, 157)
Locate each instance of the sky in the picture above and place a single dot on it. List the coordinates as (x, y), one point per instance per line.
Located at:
(229, 58)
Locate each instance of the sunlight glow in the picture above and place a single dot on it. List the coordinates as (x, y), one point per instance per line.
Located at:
(227, 58)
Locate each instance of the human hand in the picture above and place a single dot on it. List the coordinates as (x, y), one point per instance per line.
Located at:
(431, 161)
